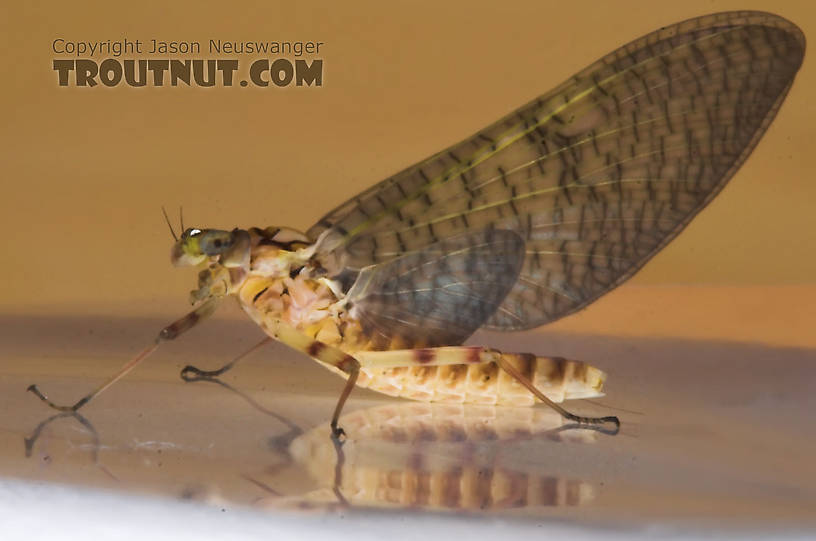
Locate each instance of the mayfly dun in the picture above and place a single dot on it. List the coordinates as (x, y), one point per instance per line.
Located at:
(529, 220)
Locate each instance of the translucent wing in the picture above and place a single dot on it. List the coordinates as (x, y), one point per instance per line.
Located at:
(597, 175)
(439, 295)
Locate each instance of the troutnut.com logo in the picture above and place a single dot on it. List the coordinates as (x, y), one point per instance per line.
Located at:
(136, 63)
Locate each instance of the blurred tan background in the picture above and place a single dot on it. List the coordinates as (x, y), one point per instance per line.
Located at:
(85, 171)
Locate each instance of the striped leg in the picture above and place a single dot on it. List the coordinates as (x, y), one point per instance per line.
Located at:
(322, 352)
(582, 381)
(171, 332)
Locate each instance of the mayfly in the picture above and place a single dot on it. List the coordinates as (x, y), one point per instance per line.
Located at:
(529, 220)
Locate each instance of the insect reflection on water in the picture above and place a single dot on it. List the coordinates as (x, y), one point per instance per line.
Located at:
(441, 457)
(438, 457)
(529, 220)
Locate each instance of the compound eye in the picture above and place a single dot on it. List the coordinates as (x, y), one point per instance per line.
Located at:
(214, 242)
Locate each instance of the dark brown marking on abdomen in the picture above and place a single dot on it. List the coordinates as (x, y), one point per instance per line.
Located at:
(422, 374)
(528, 365)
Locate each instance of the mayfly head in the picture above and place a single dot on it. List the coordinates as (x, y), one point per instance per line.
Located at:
(228, 248)
(224, 256)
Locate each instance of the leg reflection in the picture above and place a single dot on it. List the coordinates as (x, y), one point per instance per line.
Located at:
(31, 440)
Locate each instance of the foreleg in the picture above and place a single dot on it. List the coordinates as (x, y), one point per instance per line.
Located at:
(171, 332)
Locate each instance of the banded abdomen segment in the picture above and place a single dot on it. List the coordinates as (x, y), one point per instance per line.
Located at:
(452, 374)
(472, 375)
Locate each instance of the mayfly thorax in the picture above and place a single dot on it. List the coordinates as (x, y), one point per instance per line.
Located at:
(527, 221)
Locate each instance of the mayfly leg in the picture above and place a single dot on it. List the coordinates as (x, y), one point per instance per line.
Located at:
(191, 373)
(171, 332)
(510, 369)
(470, 355)
(324, 353)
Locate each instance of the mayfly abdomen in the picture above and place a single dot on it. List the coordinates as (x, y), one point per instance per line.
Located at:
(485, 383)
(464, 380)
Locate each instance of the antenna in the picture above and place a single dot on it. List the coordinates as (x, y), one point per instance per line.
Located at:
(166, 219)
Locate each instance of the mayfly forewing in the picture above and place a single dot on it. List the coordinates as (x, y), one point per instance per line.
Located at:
(438, 295)
(598, 174)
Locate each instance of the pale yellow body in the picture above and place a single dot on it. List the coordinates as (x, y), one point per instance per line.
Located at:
(458, 374)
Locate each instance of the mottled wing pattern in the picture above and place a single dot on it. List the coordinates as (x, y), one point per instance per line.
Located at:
(598, 174)
(440, 295)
